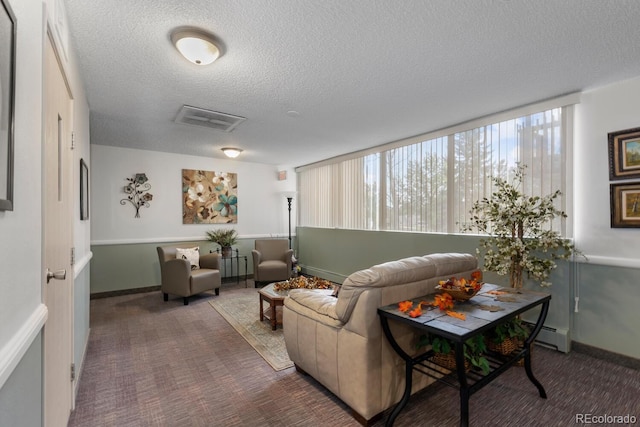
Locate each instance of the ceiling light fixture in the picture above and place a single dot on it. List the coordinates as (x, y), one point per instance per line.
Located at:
(231, 152)
(196, 46)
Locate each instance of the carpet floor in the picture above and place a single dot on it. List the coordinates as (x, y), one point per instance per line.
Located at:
(240, 307)
(156, 363)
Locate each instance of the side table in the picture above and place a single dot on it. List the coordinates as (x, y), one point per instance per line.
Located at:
(478, 320)
(237, 257)
(274, 299)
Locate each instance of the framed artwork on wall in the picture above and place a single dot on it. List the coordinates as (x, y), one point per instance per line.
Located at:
(625, 205)
(7, 102)
(209, 197)
(84, 190)
(624, 154)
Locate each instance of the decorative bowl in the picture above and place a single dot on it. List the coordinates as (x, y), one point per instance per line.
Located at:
(460, 294)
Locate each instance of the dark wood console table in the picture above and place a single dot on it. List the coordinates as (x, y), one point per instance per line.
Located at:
(478, 320)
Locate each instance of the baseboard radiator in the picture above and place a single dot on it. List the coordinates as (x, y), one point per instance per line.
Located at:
(556, 338)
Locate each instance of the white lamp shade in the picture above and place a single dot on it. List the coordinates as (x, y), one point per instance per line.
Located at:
(196, 47)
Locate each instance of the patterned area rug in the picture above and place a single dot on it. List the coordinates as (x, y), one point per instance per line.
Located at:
(240, 307)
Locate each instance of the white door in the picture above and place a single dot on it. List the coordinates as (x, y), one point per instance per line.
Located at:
(57, 235)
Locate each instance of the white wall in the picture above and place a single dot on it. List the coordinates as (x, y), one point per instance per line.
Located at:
(262, 207)
(608, 109)
(20, 229)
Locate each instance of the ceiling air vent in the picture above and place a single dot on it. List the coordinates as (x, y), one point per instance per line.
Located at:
(207, 118)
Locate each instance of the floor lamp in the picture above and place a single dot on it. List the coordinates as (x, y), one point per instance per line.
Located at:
(289, 199)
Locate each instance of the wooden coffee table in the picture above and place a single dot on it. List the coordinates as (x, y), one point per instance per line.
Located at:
(274, 299)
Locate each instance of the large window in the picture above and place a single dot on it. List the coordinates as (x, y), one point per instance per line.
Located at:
(430, 183)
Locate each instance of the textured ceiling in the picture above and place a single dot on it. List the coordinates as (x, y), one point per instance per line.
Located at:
(356, 73)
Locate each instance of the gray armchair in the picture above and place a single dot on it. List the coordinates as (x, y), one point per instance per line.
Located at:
(179, 279)
(271, 261)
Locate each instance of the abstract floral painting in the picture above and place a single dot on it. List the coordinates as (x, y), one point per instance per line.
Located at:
(209, 197)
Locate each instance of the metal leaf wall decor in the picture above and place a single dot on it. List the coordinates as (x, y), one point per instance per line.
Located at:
(137, 190)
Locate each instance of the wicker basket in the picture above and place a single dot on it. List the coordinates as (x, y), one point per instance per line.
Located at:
(448, 361)
(508, 346)
(456, 293)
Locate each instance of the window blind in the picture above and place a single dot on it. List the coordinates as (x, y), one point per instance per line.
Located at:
(429, 184)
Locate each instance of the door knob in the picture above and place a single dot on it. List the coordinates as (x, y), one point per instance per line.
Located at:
(58, 274)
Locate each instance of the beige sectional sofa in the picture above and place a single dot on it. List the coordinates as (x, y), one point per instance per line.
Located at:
(340, 343)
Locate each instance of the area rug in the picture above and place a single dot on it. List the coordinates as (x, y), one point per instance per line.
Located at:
(240, 307)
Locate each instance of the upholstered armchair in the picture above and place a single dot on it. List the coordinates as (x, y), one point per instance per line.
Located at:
(271, 260)
(185, 272)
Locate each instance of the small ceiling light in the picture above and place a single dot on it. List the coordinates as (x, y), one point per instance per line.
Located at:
(197, 46)
(231, 152)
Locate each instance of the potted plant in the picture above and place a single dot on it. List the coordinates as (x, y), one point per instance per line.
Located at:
(519, 226)
(226, 238)
(444, 353)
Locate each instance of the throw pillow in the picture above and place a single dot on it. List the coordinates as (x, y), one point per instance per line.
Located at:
(190, 254)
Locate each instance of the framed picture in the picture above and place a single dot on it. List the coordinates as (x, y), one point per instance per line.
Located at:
(7, 102)
(624, 154)
(209, 197)
(84, 190)
(625, 205)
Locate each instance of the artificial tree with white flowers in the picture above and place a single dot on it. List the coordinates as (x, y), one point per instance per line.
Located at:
(519, 228)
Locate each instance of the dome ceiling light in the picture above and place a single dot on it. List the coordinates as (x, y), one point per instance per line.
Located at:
(231, 152)
(196, 46)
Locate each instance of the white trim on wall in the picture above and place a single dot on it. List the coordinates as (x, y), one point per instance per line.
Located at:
(81, 263)
(15, 349)
(182, 239)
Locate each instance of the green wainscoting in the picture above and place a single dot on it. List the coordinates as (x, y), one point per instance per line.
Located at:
(121, 267)
(81, 318)
(337, 253)
(334, 254)
(124, 266)
(609, 296)
(609, 306)
(608, 314)
(21, 396)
